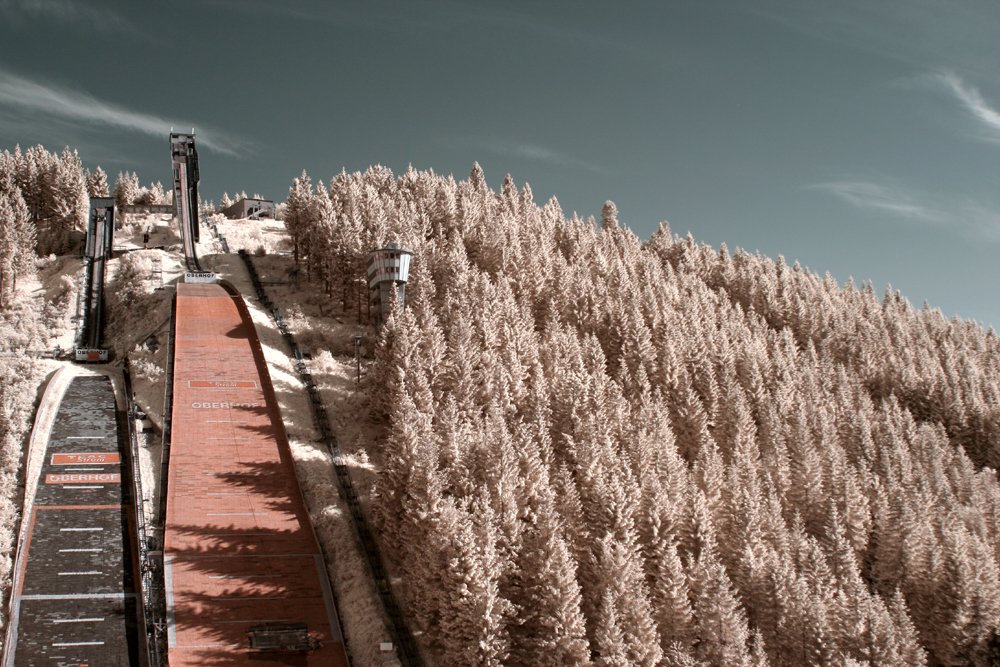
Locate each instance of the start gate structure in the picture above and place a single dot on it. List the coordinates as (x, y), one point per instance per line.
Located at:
(184, 157)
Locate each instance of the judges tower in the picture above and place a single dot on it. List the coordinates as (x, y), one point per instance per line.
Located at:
(387, 266)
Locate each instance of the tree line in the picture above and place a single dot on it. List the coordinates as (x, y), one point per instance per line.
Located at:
(43, 201)
(128, 192)
(43, 197)
(614, 452)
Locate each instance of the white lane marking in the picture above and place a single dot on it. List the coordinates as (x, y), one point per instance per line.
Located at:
(254, 597)
(168, 590)
(234, 494)
(78, 486)
(206, 645)
(76, 596)
(216, 555)
(70, 550)
(86, 437)
(78, 620)
(86, 469)
(223, 388)
(76, 530)
(73, 573)
(78, 644)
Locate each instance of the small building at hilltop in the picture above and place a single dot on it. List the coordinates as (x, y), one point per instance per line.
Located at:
(387, 266)
(254, 209)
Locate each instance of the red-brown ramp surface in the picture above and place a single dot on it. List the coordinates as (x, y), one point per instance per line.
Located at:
(239, 550)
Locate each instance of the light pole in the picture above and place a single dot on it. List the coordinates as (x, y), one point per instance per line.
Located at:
(357, 353)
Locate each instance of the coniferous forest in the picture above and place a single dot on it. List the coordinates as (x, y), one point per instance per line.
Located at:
(660, 453)
(614, 452)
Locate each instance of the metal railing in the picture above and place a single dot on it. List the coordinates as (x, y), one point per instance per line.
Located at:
(222, 239)
(154, 598)
(151, 590)
(407, 647)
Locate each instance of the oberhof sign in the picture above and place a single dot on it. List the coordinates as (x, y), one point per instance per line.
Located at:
(92, 355)
(200, 277)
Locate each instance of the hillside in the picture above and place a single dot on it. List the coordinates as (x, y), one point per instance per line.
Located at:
(579, 447)
(662, 453)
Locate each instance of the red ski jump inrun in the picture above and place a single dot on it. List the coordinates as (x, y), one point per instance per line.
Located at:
(244, 574)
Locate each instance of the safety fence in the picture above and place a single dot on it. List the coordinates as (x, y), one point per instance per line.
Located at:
(222, 239)
(82, 289)
(151, 551)
(152, 622)
(404, 642)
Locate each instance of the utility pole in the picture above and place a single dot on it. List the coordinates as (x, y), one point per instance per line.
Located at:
(357, 353)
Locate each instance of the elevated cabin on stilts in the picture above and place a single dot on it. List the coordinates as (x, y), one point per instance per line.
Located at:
(387, 267)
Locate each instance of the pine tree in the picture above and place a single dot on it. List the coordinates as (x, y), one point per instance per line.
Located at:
(609, 216)
(609, 639)
(8, 251)
(671, 599)
(59, 202)
(473, 617)
(97, 183)
(758, 654)
(156, 193)
(17, 244)
(300, 213)
(720, 622)
(548, 628)
(126, 190)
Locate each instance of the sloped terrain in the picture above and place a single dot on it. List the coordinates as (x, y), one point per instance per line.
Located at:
(579, 446)
(660, 452)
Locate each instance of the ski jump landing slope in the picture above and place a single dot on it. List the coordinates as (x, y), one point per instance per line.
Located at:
(239, 548)
(74, 599)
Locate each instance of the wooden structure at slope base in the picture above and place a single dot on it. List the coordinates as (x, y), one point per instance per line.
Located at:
(244, 575)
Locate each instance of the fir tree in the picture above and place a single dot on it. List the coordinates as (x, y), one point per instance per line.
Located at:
(97, 183)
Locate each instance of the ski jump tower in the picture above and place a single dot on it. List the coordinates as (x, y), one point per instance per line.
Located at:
(387, 267)
(186, 176)
(99, 245)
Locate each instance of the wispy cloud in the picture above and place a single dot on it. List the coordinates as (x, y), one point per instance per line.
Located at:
(34, 97)
(432, 18)
(73, 13)
(535, 153)
(964, 215)
(987, 118)
(983, 221)
(960, 34)
(888, 199)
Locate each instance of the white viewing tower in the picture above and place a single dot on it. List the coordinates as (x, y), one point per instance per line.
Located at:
(387, 266)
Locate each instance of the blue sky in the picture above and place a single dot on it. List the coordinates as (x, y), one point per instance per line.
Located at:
(859, 138)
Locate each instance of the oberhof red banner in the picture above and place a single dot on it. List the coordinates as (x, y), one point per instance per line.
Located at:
(84, 478)
(85, 457)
